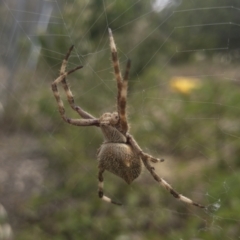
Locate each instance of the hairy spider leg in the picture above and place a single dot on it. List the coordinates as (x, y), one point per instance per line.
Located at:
(123, 100)
(100, 189)
(68, 92)
(139, 151)
(63, 75)
(146, 158)
(168, 187)
(121, 84)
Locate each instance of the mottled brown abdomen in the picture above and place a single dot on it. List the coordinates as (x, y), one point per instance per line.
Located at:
(119, 159)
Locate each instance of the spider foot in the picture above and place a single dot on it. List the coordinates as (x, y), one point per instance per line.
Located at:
(116, 203)
(156, 160)
(109, 200)
(69, 52)
(75, 69)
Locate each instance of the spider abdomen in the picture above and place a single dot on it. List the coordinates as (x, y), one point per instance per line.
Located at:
(119, 159)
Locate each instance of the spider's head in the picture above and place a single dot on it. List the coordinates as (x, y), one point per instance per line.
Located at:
(109, 119)
(109, 125)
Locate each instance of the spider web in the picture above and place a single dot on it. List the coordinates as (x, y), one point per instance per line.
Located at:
(183, 107)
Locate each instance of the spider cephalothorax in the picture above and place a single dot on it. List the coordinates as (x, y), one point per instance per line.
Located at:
(119, 153)
(108, 123)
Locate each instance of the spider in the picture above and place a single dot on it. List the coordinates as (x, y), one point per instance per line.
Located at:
(119, 154)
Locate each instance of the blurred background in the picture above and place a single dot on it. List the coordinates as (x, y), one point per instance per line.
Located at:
(183, 106)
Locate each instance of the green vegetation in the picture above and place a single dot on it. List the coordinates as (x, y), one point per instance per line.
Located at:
(196, 130)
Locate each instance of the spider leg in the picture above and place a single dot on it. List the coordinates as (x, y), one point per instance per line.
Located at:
(146, 158)
(122, 101)
(76, 122)
(121, 84)
(100, 189)
(139, 151)
(70, 98)
(69, 94)
(168, 187)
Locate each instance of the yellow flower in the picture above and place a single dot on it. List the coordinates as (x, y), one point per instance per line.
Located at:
(184, 84)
